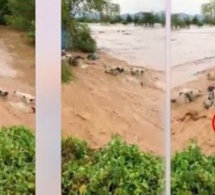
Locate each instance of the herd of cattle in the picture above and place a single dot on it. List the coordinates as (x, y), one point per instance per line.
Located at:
(189, 95)
(113, 70)
(28, 99)
(185, 95)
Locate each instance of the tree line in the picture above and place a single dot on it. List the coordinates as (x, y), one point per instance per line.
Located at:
(150, 19)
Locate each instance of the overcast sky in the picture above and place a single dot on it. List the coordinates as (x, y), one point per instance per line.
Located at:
(187, 6)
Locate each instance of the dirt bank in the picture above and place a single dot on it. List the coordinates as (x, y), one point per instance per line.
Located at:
(200, 129)
(97, 105)
(19, 58)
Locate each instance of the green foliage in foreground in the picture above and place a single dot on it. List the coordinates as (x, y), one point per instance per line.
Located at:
(17, 161)
(193, 172)
(117, 168)
(66, 72)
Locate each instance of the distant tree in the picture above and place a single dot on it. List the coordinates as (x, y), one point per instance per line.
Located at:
(163, 20)
(129, 19)
(136, 20)
(195, 20)
(105, 18)
(208, 11)
(118, 19)
(124, 22)
(82, 19)
(188, 22)
(157, 18)
(177, 22)
(149, 19)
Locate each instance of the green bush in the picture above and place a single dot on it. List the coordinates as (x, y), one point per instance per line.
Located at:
(17, 161)
(117, 168)
(31, 34)
(193, 172)
(66, 72)
(3, 11)
(82, 39)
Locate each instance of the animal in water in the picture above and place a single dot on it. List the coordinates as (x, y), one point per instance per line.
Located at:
(75, 61)
(120, 69)
(33, 109)
(209, 100)
(92, 56)
(3, 93)
(141, 83)
(114, 70)
(189, 95)
(211, 76)
(136, 71)
(210, 88)
(63, 53)
(27, 98)
(173, 100)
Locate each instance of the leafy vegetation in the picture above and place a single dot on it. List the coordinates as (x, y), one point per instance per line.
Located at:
(19, 15)
(208, 10)
(193, 172)
(66, 72)
(17, 161)
(76, 35)
(116, 168)
(149, 19)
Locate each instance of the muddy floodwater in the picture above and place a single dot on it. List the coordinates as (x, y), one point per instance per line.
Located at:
(6, 59)
(192, 50)
(17, 58)
(17, 72)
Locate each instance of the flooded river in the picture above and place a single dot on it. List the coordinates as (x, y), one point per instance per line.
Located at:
(193, 50)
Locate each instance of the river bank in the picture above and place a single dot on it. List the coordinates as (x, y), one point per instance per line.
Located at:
(96, 105)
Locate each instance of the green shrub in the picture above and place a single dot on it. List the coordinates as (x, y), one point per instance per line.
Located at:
(17, 161)
(117, 168)
(82, 39)
(3, 11)
(66, 72)
(193, 172)
(31, 34)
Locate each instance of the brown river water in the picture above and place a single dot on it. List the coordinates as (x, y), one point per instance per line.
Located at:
(192, 50)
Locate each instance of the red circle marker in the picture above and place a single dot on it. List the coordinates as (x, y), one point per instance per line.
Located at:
(213, 123)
